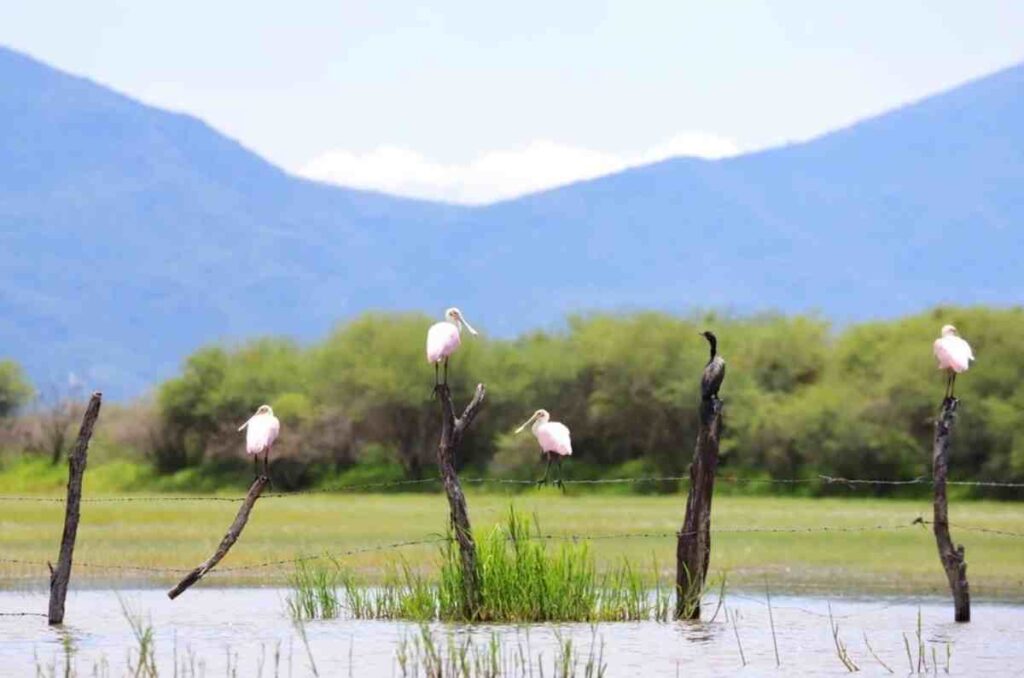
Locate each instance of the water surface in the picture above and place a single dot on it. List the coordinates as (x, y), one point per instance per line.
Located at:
(216, 629)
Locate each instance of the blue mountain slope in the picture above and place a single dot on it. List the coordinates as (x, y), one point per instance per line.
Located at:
(913, 208)
(129, 235)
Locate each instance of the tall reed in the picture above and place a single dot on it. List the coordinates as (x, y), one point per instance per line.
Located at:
(425, 654)
(314, 594)
(523, 578)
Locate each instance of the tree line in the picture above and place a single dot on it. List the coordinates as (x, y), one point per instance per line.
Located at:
(802, 398)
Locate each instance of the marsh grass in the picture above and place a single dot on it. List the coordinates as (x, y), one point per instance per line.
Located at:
(523, 578)
(314, 590)
(141, 662)
(841, 651)
(922, 655)
(424, 654)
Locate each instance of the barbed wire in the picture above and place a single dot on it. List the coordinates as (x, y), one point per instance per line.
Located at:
(975, 528)
(574, 537)
(362, 487)
(335, 556)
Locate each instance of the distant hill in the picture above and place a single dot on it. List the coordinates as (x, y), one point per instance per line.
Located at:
(129, 235)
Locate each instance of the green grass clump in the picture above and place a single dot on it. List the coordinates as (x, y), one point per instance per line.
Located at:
(521, 580)
(314, 593)
(424, 654)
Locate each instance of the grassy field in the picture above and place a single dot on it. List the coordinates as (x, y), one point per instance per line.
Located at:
(180, 534)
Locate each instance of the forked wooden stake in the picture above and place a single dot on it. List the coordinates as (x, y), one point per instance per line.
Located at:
(451, 435)
(234, 532)
(60, 576)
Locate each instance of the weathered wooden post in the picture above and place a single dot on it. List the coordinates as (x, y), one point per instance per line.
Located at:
(60, 577)
(452, 430)
(952, 558)
(233, 533)
(693, 548)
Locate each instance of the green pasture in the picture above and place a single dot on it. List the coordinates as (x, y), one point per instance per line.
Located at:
(180, 534)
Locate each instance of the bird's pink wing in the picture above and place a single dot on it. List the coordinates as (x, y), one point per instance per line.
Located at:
(275, 429)
(953, 353)
(554, 437)
(442, 340)
(260, 433)
(961, 352)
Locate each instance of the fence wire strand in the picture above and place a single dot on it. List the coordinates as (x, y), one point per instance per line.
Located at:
(392, 484)
(574, 537)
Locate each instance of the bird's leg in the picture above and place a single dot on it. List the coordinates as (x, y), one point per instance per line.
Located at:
(952, 384)
(559, 482)
(266, 467)
(255, 466)
(437, 383)
(544, 480)
(446, 370)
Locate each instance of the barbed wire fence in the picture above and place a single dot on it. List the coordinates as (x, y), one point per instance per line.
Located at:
(574, 537)
(825, 480)
(436, 539)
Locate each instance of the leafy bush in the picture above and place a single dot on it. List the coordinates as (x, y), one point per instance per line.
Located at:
(800, 399)
(15, 391)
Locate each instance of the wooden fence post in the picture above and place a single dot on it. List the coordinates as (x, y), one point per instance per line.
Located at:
(452, 430)
(233, 533)
(952, 558)
(60, 577)
(693, 548)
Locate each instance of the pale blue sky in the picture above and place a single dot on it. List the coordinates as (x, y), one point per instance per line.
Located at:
(470, 100)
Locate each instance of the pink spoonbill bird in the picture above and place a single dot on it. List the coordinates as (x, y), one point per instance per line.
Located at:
(954, 355)
(443, 338)
(554, 441)
(263, 428)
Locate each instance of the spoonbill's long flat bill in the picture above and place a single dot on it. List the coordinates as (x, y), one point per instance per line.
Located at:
(263, 428)
(443, 339)
(954, 355)
(554, 440)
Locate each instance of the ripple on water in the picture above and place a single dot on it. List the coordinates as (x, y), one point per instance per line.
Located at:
(247, 626)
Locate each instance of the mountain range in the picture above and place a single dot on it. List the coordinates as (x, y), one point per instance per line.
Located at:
(130, 236)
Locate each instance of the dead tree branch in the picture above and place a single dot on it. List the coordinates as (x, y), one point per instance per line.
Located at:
(952, 558)
(452, 430)
(234, 532)
(693, 548)
(60, 576)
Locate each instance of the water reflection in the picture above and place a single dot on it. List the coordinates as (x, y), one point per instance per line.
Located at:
(248, 631)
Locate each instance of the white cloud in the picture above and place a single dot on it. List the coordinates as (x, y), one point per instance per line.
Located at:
(496, 175)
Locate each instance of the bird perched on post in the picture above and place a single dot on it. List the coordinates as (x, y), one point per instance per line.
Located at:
(263, 428)
(554, 440)
(443, 338)
(954, 355)
(714, 371)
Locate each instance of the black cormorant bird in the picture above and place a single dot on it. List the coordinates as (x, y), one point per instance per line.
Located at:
(714, 371)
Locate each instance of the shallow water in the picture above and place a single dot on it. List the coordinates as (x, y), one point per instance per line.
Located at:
(210, 630)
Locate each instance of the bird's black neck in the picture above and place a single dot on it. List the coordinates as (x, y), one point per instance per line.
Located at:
(714, 346)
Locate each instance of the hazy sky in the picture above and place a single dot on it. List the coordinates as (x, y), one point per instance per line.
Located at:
(470, 101)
